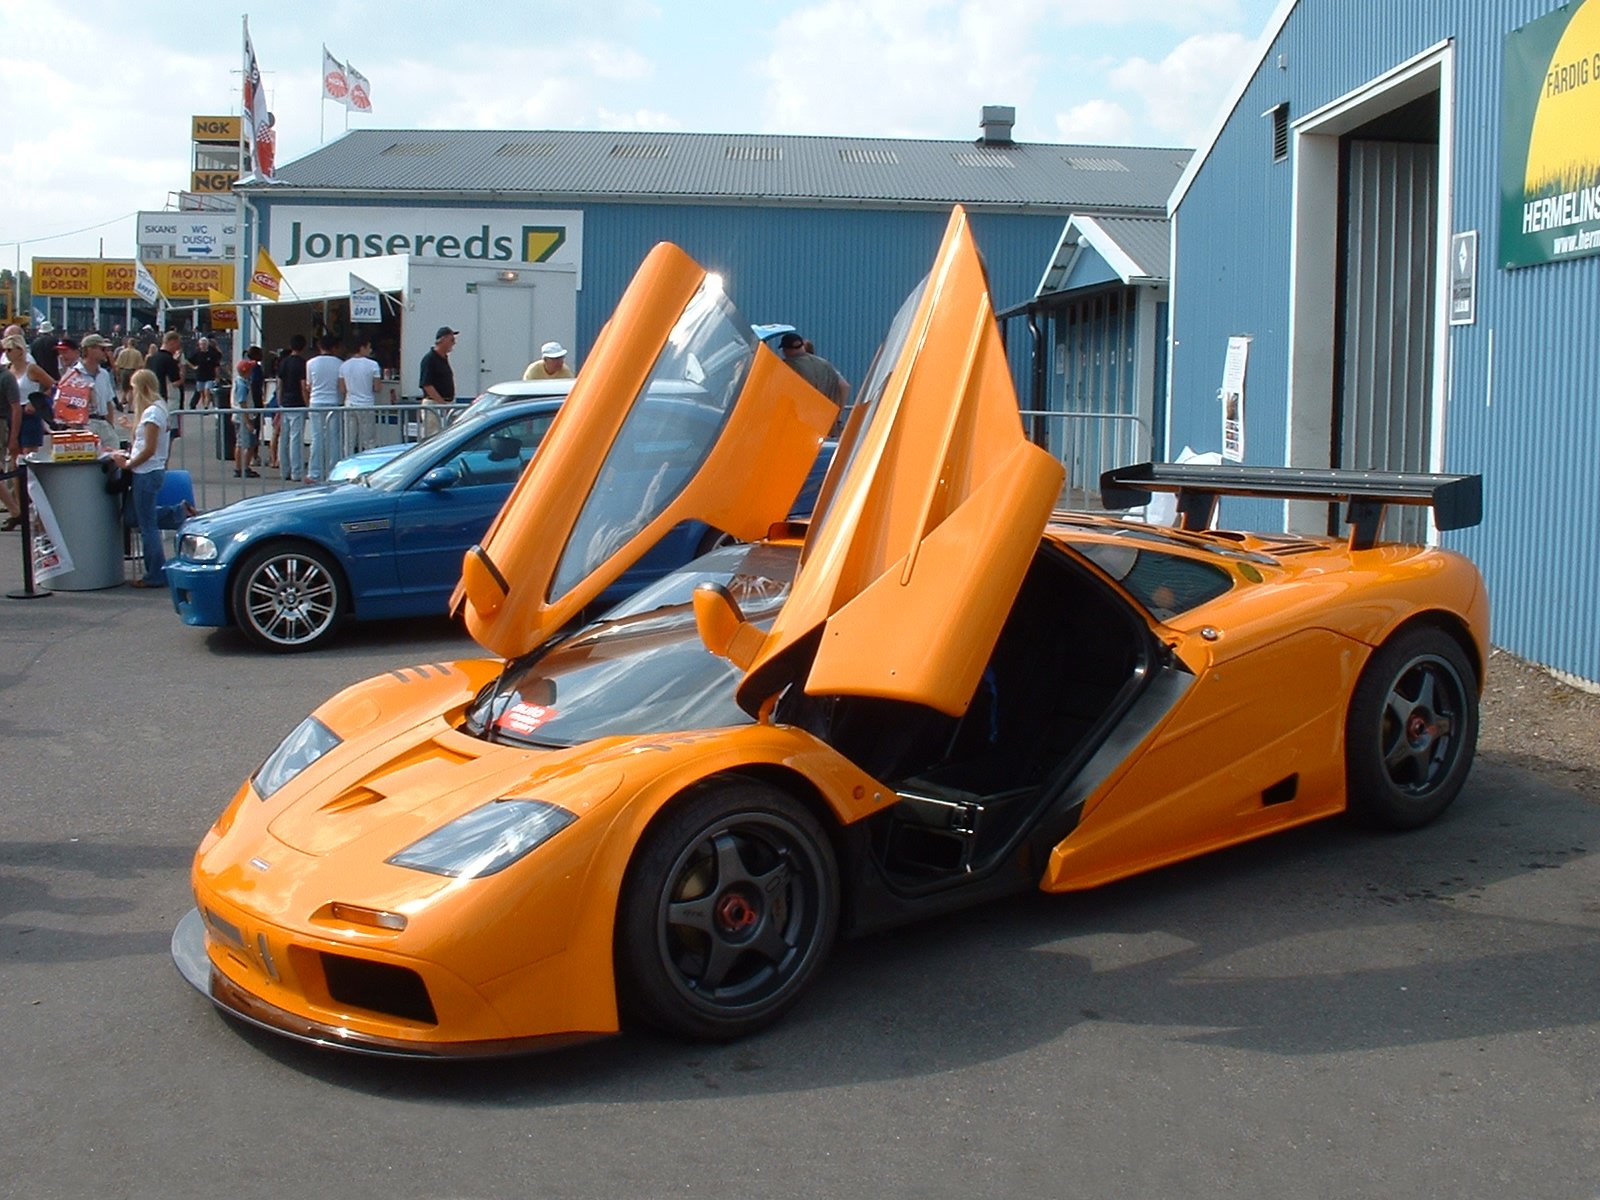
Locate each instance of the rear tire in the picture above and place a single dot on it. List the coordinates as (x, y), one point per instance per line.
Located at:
(1411, 731)
(729, 908)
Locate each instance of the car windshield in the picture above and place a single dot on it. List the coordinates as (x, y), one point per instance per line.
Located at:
(393, 475)
(487, 400)
(672, 424)
(643, 669)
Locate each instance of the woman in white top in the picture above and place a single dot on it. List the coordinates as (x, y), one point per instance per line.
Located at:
(148, 462)
(27, 420)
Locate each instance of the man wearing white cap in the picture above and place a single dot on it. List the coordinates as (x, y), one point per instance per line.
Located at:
(552, 363)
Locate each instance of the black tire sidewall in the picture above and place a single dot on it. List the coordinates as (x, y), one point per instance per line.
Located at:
(1372, 797)
(647, 990)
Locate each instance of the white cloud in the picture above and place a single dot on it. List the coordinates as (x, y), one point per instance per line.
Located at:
(1104, 122)
(899, 68)
(1180, 95)
(642, 118)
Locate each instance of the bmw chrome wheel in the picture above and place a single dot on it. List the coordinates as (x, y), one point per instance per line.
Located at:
(288, 597)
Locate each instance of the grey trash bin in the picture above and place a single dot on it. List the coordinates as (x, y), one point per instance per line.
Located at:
(90, 521)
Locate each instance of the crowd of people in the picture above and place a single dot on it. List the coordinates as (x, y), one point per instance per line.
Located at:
(121, 394)
(129, 395)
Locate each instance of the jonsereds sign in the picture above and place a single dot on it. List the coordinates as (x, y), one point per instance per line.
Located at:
(1549, 156)
(303, 233)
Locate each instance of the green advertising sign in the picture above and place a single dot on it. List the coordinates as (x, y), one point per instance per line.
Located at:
(1549, 154)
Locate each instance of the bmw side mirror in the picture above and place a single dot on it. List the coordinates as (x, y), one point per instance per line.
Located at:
(440, 478)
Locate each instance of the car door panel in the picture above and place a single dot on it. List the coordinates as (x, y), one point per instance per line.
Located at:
(1255, 746)
(929, 517)
(679, 414)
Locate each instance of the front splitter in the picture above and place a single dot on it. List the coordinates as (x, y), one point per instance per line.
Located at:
(194, 964)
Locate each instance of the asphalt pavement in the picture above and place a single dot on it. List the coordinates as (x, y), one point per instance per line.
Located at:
(1325, 1014)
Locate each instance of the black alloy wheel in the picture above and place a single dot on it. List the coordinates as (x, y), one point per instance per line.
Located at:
(730, 906)
(1411, 731)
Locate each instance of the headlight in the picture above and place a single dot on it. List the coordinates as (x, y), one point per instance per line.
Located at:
(486, 840)
(309, 742)
(197, 547)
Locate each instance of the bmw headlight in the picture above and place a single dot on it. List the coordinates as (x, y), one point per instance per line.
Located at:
(487, 839)
(310, 740)
(197, 547)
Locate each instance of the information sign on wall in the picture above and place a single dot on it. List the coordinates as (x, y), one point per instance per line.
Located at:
(1549, 156)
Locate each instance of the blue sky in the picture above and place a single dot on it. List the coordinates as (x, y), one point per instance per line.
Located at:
(115, 137)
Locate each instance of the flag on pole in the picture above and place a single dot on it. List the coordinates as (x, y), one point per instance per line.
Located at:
(360, 97)
(266, 278)
(224, 315)
(335, 84)
(260, 138)
(144, 283)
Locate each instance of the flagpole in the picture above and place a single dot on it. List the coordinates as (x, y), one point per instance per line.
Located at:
(241, 273)
(322, 103)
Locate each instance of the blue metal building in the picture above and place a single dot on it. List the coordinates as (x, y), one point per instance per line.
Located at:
(1374, 211)
(826, 233)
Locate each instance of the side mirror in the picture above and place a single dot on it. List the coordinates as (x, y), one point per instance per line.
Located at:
(722, 627)
(440, 478)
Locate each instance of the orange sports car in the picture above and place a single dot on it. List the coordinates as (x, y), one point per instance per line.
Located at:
(937, 690)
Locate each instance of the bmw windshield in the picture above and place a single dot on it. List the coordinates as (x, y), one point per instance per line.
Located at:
(395, 474)
(643, 669)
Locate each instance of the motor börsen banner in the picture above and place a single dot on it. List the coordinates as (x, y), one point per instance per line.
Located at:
(1549, 155)
(114, 278)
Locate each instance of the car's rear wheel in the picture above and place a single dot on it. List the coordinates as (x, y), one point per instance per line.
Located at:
(1411, 730)
(730, 906)
(288, 596)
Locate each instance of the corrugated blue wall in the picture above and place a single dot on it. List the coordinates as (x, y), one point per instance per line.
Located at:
(838, 275)
(1526, 414)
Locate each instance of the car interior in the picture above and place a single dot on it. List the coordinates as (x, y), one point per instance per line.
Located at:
(1069, 659)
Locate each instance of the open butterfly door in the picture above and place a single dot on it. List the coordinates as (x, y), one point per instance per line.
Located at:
(679, 414)
(930, 515)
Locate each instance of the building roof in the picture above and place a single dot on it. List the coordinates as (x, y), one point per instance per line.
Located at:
(1135, 249)
(714, 167)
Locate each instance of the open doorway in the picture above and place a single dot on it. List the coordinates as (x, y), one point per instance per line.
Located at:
(1368, 321)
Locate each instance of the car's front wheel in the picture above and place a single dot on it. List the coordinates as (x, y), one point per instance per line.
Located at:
(288, 596)
(730, 906)
(1411, 731)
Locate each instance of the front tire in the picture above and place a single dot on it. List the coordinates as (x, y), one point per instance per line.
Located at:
(729, 908)
(288, 597)
(1412, 730)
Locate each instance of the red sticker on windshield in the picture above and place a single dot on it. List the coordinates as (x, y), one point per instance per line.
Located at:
(525, 718)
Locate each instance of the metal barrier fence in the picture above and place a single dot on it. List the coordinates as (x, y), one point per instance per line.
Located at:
(205, 445)
(1088, 443)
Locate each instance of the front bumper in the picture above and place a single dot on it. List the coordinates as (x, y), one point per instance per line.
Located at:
(190, 956)
(199, 591)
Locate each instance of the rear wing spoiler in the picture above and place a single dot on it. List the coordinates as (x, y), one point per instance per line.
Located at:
(1456, 500)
